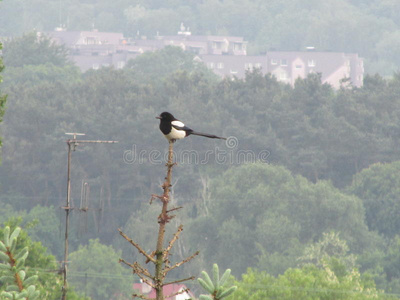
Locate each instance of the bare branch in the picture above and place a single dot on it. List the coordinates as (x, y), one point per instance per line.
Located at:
(154, 196)
(152, 254)
(177, 293)
(181, 263)
(141, 297)
(139, 269)
(173, 240)
(145, 280)
(125, 262)
(175, 208)
(180, 280)
(137, 246)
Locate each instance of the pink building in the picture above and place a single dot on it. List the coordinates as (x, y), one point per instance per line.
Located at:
(171, 291)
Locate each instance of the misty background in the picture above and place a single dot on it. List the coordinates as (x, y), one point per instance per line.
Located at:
(332, 163)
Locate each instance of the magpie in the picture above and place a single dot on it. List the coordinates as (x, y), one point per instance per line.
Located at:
(173, 129)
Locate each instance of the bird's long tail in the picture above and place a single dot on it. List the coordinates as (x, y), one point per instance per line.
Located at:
(211, 136)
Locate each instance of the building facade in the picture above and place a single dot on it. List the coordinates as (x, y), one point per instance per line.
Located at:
(224, 55)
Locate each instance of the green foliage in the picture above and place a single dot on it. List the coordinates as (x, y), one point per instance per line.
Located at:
(38, 265)
(95, 270)
(330, 248)
(155, 67)
(42, 225)
(34, 74)
(2, 97)
(379, 188)
(33, 49)
(12, 269)
(308, 282)
(287, 212)
(216, 287)
(383, 265)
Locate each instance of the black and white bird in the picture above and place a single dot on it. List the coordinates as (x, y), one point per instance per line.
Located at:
(173, 129)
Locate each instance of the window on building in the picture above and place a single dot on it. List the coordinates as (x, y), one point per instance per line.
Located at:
(284, 62)
(120, 64)
(90, 40)
(211, 65)
(311, 63)
(298, 66)
(248, 66)
(216, 45)
(237, 47)
(95, 66)
(257, 66)
(220, 65)
(274, 61)
(283, 76)
(195, 50)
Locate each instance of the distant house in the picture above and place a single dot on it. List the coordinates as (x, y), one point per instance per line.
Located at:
(333, 66)
(288, 66)
(170, 289)
(93, 49)
(224, 55)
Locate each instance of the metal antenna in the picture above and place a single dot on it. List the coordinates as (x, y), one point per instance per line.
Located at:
(72, 144)
(84, 207)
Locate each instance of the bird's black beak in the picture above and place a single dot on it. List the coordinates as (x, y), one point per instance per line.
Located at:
(158, 117)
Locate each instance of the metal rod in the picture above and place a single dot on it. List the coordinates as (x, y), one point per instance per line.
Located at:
(67, 209)
(72, 143)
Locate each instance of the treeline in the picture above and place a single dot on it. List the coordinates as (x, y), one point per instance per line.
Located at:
(317, 175)
(370, 28)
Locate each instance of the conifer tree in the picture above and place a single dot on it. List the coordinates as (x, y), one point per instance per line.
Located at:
(217, 286)
(12, 269)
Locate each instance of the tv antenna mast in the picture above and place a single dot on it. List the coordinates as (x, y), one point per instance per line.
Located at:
(72, 144)
(86, 206)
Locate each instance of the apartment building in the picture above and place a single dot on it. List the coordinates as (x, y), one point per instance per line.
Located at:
(224, 55)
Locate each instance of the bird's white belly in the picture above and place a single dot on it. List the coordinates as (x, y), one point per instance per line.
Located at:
(176, 134)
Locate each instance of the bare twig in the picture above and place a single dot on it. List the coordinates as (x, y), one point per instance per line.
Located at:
(125, 262)
(181, 263)
(146, 280)
(142, 270)
(178, 293)
(173, 240)
(173, 209)
(137, 268)
(179, 281)
(141, 297)
(154, 196)
(136, 246)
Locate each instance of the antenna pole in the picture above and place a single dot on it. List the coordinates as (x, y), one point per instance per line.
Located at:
(72, 143)
(67, 210)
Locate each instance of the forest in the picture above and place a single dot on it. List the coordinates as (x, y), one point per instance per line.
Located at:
(305, 188)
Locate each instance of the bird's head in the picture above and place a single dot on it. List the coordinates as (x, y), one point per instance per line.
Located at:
(166, 116)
